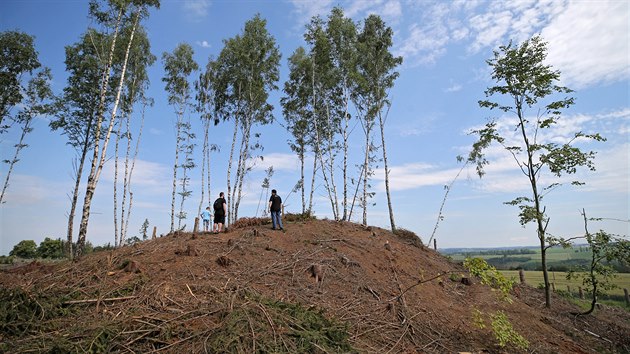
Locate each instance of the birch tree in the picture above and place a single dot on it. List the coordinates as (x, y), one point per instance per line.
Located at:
(297, 115)
(178, 67)
(528, 94)
(78, 109)
(246, 70)
(18, 58)
(117, 13)
(37, 102)
(375, 77)
(342, 35)
(205, 107)
(134, 94)
(24, 93)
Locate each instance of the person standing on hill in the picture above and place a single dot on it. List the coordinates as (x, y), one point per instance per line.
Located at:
(205, 216)
(275, 207)
(220, 208)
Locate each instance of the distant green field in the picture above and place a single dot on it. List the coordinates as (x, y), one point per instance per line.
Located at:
(533, 278)
(558, 259)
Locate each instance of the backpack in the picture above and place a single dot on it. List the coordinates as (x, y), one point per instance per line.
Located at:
(218, 205)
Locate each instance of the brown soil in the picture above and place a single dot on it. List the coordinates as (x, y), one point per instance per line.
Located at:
(387, 293)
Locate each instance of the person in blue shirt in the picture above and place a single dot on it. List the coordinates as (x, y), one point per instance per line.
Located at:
(205, 216)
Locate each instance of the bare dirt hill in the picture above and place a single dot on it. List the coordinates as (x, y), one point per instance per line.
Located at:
(321, 286)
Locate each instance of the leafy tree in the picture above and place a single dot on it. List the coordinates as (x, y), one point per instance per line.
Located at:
(36, 103)
(205, 107)
(78, 108)
(326, 106)
(134, 92)
(297, 115)
(179, 66)
(525, 82)
(316, 105)
(17, 58)
(599, 274)
(50, 248)
(245, 72)
(115, 15)
(342, 35)
(24, 249)
(144, 229)
(31, 96)
(375, 77)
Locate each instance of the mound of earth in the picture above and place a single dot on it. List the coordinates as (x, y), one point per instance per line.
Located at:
(320, 286)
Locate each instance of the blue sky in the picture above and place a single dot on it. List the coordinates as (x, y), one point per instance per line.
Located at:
(434, 104)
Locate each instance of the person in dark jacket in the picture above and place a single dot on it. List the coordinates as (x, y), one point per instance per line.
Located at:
(220, 208)
(275, 207)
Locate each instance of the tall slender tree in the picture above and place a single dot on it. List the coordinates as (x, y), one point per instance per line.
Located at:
(37, 101)
(246, 70)
(296, 112)
(116, 14)
(23, 85)
(375, 77)
(78, 109)
(342, 34)
(523, 83)
(18, 58)
(179, 66)
(136, 84)
(205, 107)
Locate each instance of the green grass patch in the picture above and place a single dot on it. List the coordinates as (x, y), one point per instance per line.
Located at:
(267, 326)
(533, 278)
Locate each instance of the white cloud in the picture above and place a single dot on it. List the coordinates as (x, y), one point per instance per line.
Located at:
(503, 175)
(416, 175)
(305, 10)
(203, 44)
(279, 161)
(146, 174)
(589, 42)
(196, 9)
(454, 88)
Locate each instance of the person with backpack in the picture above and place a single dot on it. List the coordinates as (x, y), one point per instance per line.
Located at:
(205, 216)
(220, 208)
(275, 207)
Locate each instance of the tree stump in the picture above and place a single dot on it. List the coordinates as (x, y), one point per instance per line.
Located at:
(132, 267)
(223, 261)
(466, 281)
(191, 251)
(521, 275)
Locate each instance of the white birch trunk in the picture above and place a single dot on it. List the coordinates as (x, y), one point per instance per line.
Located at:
(116, 145)
(389, 198)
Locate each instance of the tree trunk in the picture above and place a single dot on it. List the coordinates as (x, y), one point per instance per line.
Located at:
(302, 179)
(25, 130)
(310, 198)
(175, 165)
(204, 158)
(365, 174)
(133, 165)
(242, 167)
(346, 137)
(116, 145)
(229, 171)
(389, 198)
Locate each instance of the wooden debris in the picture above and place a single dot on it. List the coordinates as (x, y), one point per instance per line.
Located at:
(223, 261)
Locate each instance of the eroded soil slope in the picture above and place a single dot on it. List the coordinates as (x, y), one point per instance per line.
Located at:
(321, 286)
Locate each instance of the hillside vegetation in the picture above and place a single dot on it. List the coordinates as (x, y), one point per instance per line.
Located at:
(321, 286)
